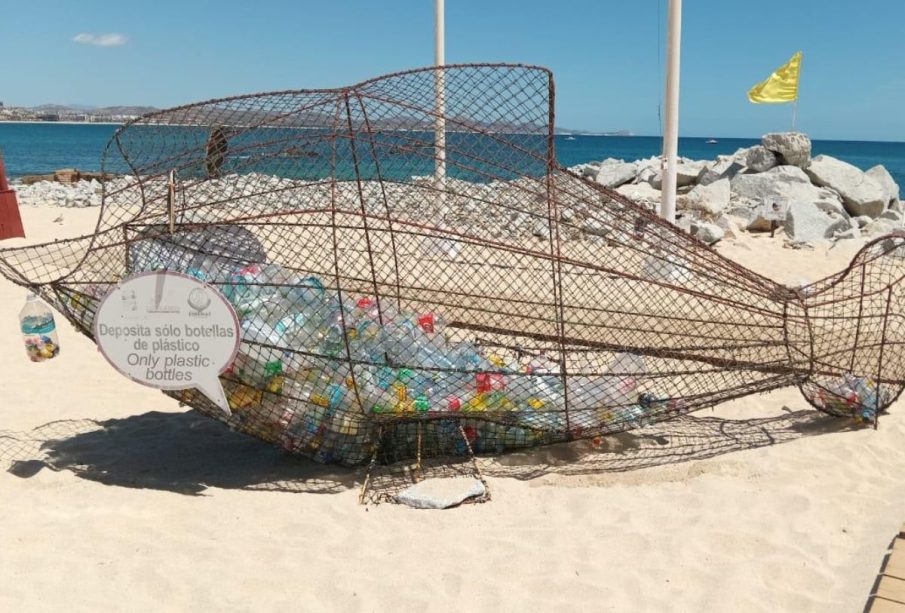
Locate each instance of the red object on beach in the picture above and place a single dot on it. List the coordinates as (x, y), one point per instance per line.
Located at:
(10, 220)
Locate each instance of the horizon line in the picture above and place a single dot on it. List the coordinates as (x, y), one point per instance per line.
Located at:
(565, 132)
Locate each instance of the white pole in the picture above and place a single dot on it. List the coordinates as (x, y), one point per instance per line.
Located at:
(440, 93)
(671, 133)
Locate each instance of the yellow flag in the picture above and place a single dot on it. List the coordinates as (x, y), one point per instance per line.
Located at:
(781, 86)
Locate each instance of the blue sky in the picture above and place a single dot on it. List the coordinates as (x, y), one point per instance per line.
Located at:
(604, 54)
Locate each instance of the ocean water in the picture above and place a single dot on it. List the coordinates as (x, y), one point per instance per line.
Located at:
(40, 148)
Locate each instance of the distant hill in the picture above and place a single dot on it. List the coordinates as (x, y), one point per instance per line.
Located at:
(81, 109)
(79, 112)
(568, 131)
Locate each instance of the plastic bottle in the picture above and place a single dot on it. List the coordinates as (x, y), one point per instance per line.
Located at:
(867, 402)
(468, 358)
(39, 330)
(404, 339)
(529, 392)
(599, 392)
(258, 359)
(250, 287)
(375, 396)
(614, 395)
(207, 268)
(308, 290)
(432, 325)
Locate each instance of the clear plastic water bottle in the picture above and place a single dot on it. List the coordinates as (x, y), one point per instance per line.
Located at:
(250, 287)
(308, 290)
(260, 356)
(866, 404)
(39, 330)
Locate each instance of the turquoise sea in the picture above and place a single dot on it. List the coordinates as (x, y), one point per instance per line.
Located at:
(38, 148)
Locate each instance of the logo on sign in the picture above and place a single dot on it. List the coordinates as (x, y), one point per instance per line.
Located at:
(199, 300)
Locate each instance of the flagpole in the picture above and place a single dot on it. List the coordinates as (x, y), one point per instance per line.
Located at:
(440, 99)
(671, 132)
(794, 113)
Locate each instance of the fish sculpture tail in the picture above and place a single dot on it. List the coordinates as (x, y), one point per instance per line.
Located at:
(848, 333)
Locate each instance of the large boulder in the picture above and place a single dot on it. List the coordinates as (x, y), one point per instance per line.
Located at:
(589, 171)
(774, 183)
(709, 233)
(687, 172)
(842, 225)
(728, 225)
(613, 173)
(783, 183)
(892, 215)
(792, 148)
(879, 174)
(648, 169)
(641, 193)
(753, 219)
(847, 234)
(832, 203)
(725, 167)
(712, 198)
(861, 194)
(805, 223)
(759, 159)
(879, 227)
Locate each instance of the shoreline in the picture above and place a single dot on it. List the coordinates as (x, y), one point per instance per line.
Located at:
(562, 135)
(64, 123)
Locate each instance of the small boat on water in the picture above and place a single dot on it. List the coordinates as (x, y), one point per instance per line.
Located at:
(570, 138)
(712, 141)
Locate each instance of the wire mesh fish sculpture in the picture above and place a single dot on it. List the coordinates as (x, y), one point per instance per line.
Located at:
(388, 286)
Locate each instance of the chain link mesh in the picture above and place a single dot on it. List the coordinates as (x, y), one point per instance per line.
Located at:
(394, 292)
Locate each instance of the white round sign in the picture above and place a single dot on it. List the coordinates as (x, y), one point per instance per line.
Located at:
(169, 331)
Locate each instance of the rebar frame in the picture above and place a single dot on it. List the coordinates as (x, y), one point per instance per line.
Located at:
(513, 301)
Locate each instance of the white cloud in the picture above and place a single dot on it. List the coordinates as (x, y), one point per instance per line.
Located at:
(114, 39)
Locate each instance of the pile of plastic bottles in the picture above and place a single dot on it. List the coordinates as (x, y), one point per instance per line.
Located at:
(403, 364)
(317, 368)
(851, 395)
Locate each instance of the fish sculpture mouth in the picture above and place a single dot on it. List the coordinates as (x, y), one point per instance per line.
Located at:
(400, 257)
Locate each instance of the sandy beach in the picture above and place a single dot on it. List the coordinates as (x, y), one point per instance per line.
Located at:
(115, 498)
(622, 269)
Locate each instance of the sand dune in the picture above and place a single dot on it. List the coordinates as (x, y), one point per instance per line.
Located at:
(115, 498)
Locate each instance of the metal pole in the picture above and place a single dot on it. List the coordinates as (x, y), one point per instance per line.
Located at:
(171, 200)
(440, 101)
(671, 133)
